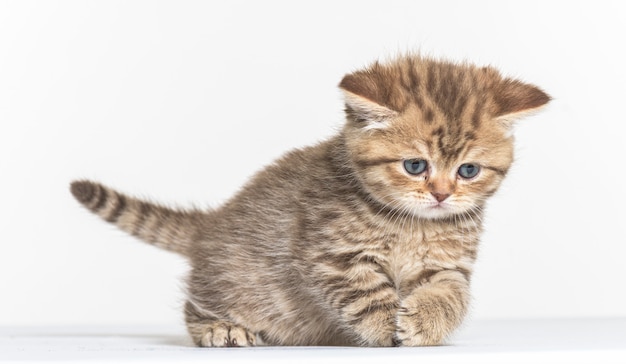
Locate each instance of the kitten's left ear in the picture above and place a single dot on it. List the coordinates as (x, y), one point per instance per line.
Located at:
(515, 99)
(362, 98)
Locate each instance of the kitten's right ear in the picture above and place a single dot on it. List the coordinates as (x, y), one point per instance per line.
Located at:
(515, 99)
(360, 95)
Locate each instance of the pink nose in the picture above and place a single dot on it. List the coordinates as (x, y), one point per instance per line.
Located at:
(440, 196)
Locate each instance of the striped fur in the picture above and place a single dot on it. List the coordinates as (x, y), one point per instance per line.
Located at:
(166, 228)
(336, 244)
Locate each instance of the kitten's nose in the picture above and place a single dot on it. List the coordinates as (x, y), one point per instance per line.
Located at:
(440, 196)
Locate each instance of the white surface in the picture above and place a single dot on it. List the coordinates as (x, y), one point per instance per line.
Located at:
(531, 341)
(182, 101)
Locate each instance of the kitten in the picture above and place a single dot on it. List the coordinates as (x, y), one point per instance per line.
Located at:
(365, 239)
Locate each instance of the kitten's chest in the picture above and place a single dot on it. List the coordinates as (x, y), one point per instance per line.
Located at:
(427, 247)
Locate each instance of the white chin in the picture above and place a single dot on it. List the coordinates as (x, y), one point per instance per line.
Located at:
(434, 213)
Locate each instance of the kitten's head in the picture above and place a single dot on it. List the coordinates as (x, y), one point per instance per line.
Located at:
(433, 138)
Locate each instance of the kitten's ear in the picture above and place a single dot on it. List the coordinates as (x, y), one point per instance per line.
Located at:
(362, 105)
(515, 99)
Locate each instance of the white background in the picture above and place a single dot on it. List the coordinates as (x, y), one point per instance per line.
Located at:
(182, 101)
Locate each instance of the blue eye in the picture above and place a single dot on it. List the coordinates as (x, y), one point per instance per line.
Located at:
(415, 166)
(468, 170)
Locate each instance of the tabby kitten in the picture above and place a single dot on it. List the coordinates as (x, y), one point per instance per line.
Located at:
(365, 239)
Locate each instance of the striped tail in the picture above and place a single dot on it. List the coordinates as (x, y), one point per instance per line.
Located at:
(173, 230)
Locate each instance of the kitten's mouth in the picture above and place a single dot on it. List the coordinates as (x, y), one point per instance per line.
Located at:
(434, 210)
(440, 210)
(439, 206)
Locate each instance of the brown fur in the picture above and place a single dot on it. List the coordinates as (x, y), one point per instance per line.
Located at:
(336, 244)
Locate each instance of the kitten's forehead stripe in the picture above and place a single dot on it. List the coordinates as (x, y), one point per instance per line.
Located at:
(476, 114)
(431, 76)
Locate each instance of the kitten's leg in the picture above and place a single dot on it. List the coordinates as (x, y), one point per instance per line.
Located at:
(433, 309)
(211, 331)
(363, 297)
(374, 323)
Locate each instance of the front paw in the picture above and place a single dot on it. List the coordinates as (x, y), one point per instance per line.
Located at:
(223, 334)
(425, 323)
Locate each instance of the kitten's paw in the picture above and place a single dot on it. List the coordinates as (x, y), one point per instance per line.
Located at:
(225, 334)
(409, 332)
(422, 326)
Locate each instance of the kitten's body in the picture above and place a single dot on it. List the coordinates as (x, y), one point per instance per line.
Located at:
(337, 244)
